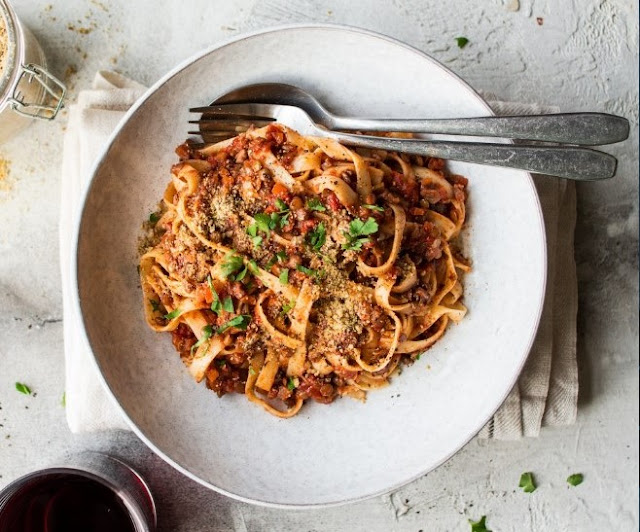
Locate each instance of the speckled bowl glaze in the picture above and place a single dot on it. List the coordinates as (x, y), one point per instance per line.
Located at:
(348, 450)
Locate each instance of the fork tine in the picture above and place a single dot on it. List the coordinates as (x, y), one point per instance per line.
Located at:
(250, 110)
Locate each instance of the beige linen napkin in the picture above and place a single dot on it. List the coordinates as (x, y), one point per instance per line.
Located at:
(546, 393)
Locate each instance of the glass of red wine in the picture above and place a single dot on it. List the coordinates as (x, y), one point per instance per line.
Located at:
(89, 492)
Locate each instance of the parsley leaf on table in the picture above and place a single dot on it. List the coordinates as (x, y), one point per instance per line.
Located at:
(23, 388)
(479, 526)
(527, 483)
(462, 41)
(575, 479)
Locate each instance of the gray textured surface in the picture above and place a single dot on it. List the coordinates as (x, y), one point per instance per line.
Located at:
(584, 56)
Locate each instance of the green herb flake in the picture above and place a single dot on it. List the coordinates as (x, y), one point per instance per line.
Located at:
(243, 273)
(527, 482)
(231, 263)
(462, 42)
(373, 207)
(306, 271)
(227, 304)
(479, 526)
(263, 222)
(251, 370)
(575, 479)
(155, 305)
(63, 400)
(154, 217)
(221, 363)
(253, 267)
(284, 276)
(291, 384)
(315, 204)
(173, 314)
(358, 233)
(240, 322)
(286, 308)
(256, 239)
(23, 388)
(281, 256)
(207, 332)
(282, 206)
(317, 237)
(216, 306)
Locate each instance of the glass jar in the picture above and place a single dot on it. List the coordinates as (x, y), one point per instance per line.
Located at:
(27, 90)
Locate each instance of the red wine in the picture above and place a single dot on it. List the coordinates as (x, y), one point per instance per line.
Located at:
(65, 503)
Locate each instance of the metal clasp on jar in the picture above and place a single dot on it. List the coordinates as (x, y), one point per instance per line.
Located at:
(54, 93)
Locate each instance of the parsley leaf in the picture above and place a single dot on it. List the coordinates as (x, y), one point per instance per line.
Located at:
(264, 223)
(23, 388)
(251, 370)
(575, 479)
(282, 206)
(286, 308)
(216, 306)
(527, 483)
(173, 314)
(242, 273)
(358, 231)
(256, 239)
(315, 204)
(462, 41)
(207, 331)
(154, 305)
(231, 263)
(63, 401)
(227, 304)
(306, 271)
(317, 237)
(479, 526)
(253, 267)
(284, 276)
(373, 207)
(291, 384)
(240, 322)
(154, 217)
(281, 256)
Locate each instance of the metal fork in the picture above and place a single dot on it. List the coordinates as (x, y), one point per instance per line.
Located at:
(219, 122)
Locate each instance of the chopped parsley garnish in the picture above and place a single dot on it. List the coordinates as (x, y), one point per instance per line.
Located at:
(221, 363)
(373, 207)
(207, 332)
(216, 306)
(317, 237)
(306, 271)
(315, 204)
(358, 233)
(527, 483)
(286, 308)
(243, 273)
(418, 357)
(173, 314)
(253, 267)
(240, 322)
(284, 276)
(227, 304)
(256, 239)
(462, 41)
(63, 401)
(281, 256)
(154, 217)
(282, 206)
(231, 263)
(575, 479)
(251, 370)
(291, 384)
(479, 526)
(23, 388)
(154, 305)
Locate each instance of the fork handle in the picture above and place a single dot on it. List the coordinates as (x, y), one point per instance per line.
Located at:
(588, 129)
(570, 162)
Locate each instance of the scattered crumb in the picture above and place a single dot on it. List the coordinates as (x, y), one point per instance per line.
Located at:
(70, 71)
(48, 7)
(228, 28)
(540, 21)
(100, 5)
(6, 183)
(81, 30)
(513, 5)
(329, 12)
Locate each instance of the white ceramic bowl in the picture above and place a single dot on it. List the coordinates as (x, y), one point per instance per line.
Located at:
(348, 450)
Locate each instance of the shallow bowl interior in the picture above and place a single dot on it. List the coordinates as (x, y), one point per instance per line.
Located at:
(348, 450)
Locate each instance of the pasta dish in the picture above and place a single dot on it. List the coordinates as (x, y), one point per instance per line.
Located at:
(290, 268)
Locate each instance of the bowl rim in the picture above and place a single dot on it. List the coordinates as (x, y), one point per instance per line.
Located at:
(80, 211)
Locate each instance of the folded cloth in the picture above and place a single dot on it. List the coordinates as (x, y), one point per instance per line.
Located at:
(547, 390)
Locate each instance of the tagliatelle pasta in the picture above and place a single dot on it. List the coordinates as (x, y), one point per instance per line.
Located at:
(290, 268)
